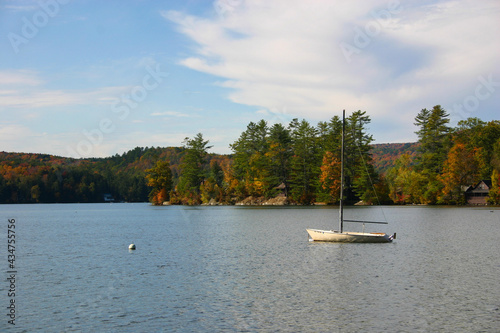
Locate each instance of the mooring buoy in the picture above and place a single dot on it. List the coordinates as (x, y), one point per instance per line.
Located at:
(131, 247)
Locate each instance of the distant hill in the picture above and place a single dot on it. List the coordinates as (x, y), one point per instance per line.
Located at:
(385, 154)
(27, 178)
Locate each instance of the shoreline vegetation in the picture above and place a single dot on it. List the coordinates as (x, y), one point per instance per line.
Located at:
(262, 201)
(296, 164)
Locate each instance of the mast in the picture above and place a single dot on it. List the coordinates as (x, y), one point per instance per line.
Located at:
(341, 211)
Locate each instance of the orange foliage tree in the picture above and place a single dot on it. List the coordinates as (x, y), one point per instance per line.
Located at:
(330, 178)
(460, 168)
(160, 179)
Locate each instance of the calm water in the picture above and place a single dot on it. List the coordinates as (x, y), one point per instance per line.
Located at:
(213, 269)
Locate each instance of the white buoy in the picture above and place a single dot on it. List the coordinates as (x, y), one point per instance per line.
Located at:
(131, 247)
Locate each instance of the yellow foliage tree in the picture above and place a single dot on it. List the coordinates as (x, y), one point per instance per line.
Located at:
(160, 179)
(460, 168)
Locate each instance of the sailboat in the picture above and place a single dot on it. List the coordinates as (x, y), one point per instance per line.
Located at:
(341, 236)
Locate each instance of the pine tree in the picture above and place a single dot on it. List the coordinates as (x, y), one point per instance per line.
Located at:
(434, 137)
(435, 142)
(279, 153)
(305, 162)
(193, 169)
(251, 164)
(360, 175)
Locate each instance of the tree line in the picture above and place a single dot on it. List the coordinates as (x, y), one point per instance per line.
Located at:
(299, 162)
(447, 160)
(302, 162)
(34, 178)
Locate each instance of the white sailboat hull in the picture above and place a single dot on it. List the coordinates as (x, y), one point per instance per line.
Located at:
(348, 237)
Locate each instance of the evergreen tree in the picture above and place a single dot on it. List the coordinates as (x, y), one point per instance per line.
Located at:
(360, 175)
(192, 169)
(489, 136)
(305, 162)
(434, 138)
(251, 165)
(435, 142)
(422, 121)
(279, 153)
(213, 187)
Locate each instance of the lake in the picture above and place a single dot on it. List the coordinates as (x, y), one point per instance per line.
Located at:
(250, 269)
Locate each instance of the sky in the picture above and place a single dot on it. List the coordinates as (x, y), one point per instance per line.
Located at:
(83, 78)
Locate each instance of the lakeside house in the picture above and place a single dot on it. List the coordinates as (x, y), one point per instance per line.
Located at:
(108, 198)
(478, 195)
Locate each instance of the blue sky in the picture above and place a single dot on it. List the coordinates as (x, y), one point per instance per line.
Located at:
(95, 78)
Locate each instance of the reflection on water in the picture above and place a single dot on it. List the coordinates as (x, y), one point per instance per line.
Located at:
(253, 269)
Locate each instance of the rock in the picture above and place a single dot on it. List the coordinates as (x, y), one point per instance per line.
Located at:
(276, 201)
(280, 200)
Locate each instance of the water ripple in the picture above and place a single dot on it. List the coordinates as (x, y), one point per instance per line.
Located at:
(214, 269)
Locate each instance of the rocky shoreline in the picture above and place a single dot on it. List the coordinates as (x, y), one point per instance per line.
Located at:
(280, 200)
(261, 201)
(254, 201)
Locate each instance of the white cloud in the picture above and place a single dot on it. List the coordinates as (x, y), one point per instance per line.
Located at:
(34, 99)
(25, 89)
(26, 8)
(16, 137)
(122, 142)
(39, 98)
(275, 54)
(19, 78)
(170, 113)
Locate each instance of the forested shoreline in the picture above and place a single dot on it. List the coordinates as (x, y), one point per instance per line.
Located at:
(297, 164)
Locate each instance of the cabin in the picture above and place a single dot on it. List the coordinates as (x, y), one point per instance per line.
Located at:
(108, 198)
(281, 190)
(478, 195)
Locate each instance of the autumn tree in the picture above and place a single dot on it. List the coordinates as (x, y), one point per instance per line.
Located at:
(160, 179)
(212, 187)
(460, 168)
(406, 186)
(329, 142)
(494, 195)
(330, 178)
